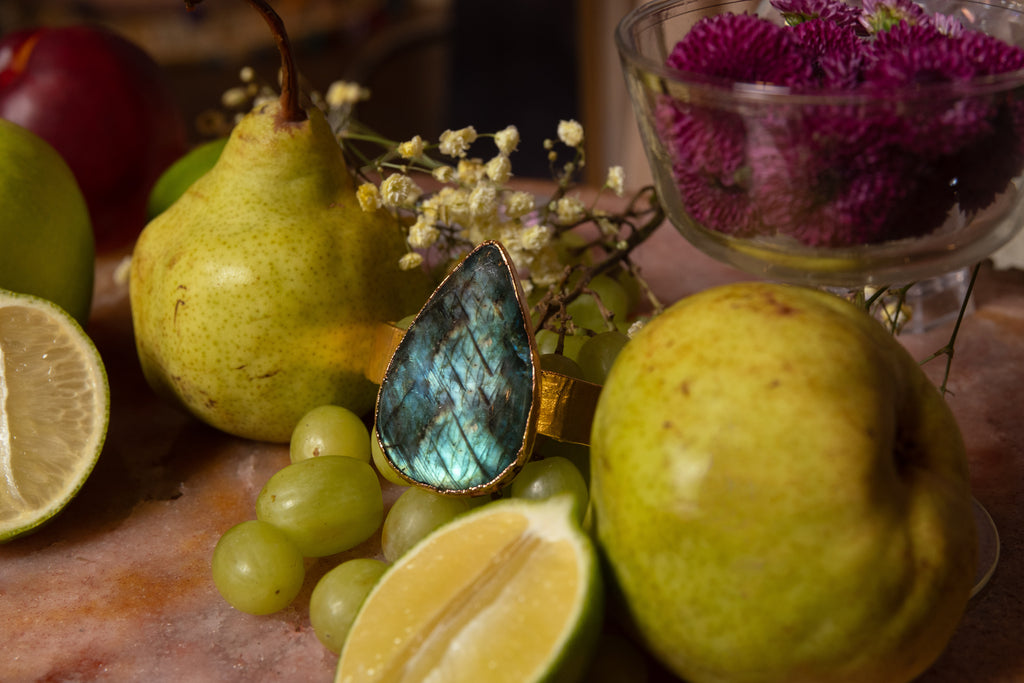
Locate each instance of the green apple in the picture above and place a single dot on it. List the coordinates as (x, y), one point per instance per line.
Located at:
(173, 182)
(47, 247)
(781, 493)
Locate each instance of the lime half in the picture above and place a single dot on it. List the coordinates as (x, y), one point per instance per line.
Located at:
(54, 408)
(507, 592)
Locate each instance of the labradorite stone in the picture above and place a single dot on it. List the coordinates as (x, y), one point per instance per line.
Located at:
(455, 405)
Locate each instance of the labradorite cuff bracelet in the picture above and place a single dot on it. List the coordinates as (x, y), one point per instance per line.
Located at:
(462, 395)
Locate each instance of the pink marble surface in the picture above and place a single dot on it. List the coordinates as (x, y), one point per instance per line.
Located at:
(117, 588)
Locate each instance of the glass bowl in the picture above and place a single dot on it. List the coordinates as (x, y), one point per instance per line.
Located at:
(834, 188)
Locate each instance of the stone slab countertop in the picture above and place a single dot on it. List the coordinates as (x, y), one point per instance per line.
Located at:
(118, 588)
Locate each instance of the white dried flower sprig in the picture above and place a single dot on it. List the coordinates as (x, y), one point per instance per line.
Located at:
(475, 203)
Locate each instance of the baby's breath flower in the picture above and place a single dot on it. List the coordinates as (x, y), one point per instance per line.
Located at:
(570, 133)
(411, 149)
(499, 169)
(484, 228)
(483, 200)
(233, 98)
(410, 261)
(518, 204)
(616, 180)
(471, 171)
(546, 268)
(369, 197)
(605, 225)
(444, 174)
(246, 74)
(341, 93)
(264, 98)
(569, 210)
(422, 233)
(635, 327)
(535, 237)
(452, 204)
(399, 190)
(454, 143)
(429, 209)
(507, 140)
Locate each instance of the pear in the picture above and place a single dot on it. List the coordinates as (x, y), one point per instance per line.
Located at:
(781, 493)
(254, 296)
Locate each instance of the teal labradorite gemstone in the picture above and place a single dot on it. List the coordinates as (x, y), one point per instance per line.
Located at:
(456, 410)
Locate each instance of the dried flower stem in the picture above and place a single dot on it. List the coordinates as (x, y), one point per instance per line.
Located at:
(950, 347)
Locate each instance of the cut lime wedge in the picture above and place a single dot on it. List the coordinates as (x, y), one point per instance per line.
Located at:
(54, 408)
(508, 592)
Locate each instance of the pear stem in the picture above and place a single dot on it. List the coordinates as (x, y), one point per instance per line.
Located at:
(291, 111)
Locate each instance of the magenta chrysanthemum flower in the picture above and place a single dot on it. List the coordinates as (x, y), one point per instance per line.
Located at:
(742, 48)
(708, 163)
(925, 58)
(988, 54)
(836, 52)
(943, 124)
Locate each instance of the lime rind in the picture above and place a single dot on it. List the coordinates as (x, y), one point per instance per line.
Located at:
(42, 467)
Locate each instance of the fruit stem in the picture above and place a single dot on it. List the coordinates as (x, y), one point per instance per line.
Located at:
(291, 111)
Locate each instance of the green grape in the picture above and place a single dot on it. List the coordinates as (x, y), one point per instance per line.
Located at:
(564, 365)
(631, 286)
(337, 597)
(571, 249)
(415, 514)
(542, 479)
(584, 309)
(324, 505)
(547, 342)
(256, 568)
(599, 353)
(576, 453)
(381, 463)
(330, 430)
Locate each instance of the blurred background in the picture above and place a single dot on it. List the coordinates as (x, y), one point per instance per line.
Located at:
(429, 64)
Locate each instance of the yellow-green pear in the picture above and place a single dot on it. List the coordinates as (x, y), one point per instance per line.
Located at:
(255, 295)
(781, 493)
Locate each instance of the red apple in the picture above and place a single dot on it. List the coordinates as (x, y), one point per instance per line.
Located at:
(106, 106)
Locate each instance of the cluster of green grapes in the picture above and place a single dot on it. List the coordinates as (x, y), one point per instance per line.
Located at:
(597, 329)
(329, 499)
